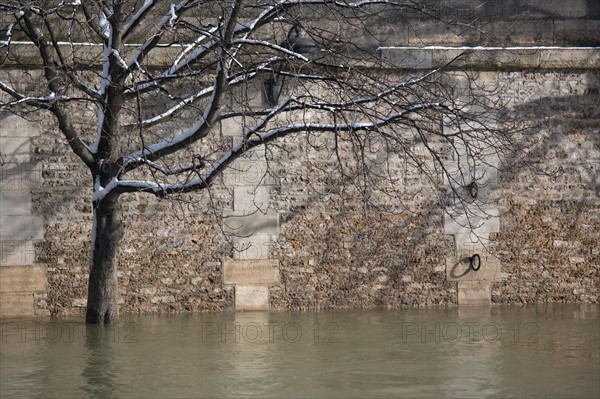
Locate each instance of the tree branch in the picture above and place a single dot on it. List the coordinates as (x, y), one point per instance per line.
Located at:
(64, 122)
(201, 128)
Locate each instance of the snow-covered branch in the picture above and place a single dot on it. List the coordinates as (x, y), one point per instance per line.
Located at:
(163, 26)
(203, 125)
(272, 46)
(135, 20)
(21, 98)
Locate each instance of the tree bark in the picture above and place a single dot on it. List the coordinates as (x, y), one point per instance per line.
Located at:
(102, 303)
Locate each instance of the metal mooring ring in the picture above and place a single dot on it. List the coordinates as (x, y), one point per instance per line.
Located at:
(475, 262)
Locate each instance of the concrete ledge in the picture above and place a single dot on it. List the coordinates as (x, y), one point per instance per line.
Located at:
(494, 58)
(251, 272)
(582, 58)
(17, 279)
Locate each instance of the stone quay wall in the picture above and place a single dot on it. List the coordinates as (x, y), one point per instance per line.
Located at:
(312, 248)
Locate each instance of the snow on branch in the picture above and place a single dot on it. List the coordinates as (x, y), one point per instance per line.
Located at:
(202, 126)
(271, 46)
(163, 26)
(21, 98)
(206, 43)
(135, 20)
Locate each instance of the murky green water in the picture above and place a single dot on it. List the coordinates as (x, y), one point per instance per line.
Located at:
(542, 351)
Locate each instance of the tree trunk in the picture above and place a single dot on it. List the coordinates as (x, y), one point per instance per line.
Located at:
(103, 290)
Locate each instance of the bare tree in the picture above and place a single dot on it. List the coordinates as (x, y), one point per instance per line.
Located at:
(161, 77)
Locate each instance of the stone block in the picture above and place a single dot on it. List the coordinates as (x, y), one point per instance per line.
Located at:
(246, 172)
(257, 246)
(474, 293)
(253, 154)
(15, 149)
(371, 38)
(247, 225)
(13, 203)
(249, 199)
(570, 58)
(467, 238)
(485, 58)
(20, 176)
(461, 173)
(477, 221)
(501, 58)
(22, 278)
(236, 126)
(534, 9)
(249, 95)
(251, 297)
(529, 32)
(458, 267)
(491, 9)
(16, 305)
(251, 272)
(16, 253)
(232, 127)
(21, 228)
(12, 126)
(435, 32)
(409, 58)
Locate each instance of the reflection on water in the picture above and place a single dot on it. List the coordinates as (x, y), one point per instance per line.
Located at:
(100, 373)
(538, 351)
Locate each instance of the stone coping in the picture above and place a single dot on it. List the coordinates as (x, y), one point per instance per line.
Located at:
(490, 58)
(89, 55)
(393, 57)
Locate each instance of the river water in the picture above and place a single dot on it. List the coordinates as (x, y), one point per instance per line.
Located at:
(547, 351)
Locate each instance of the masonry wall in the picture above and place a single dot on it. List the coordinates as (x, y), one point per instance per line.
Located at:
(549, 234)
(547, 243)
(330, 252)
